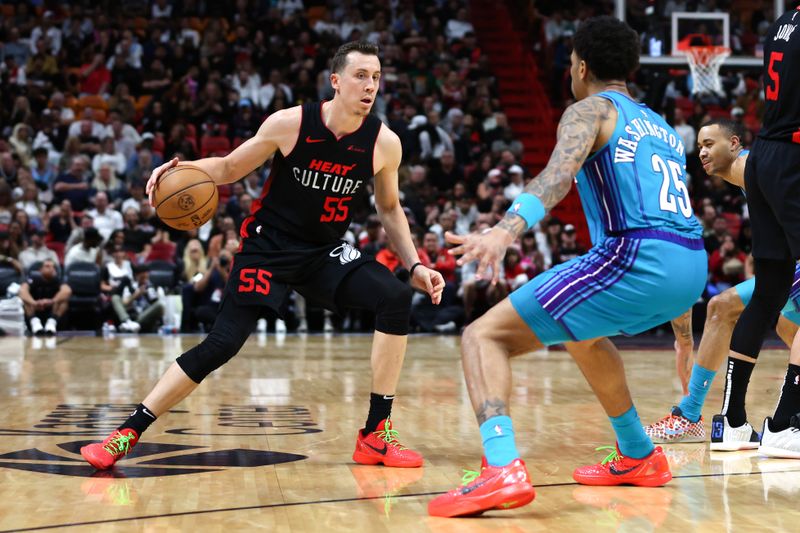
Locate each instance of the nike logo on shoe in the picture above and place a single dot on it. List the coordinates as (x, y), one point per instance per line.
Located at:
(310, 140)
(616, 472)
(380, 451)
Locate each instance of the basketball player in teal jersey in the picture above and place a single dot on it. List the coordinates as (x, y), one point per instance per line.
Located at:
(646, 267)
(721, 154)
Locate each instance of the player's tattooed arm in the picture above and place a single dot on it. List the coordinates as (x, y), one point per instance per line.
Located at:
(577, 132)
(682, 326)
(490, 408)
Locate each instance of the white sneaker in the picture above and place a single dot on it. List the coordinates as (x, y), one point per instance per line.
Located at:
(261, 325)
(280, 326)
(725, 438)
(50, 326)
(448, 327)
(302, 327)
(129, 326)
(327, 327)
(784, 443)
(36, 326)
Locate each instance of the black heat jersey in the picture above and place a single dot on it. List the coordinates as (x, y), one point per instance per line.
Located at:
(310, 191)
(782, 79)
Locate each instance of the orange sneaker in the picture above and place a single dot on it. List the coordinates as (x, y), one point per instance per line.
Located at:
(616, 469)
(494, 487)
(103, 455)
(382, 446)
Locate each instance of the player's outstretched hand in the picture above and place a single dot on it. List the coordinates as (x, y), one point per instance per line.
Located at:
(155, 174)
(430, 281)
(684, 360)
(488, 248)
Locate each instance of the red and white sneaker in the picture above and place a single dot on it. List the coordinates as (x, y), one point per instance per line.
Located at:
(675, 428)
(103, 455)
(616, 469)
(382, 446)
(494, 487)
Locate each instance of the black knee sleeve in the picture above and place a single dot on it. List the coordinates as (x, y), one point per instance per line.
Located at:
(393, 310)
(209, 355)
(773, 283)
(231, 329)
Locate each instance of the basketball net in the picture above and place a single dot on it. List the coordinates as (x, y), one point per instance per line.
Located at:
(704, 62)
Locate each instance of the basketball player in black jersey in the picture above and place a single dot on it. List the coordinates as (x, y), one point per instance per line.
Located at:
(772, 180)
(325, 153)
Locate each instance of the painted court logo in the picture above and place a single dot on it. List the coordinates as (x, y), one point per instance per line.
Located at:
(154, 459)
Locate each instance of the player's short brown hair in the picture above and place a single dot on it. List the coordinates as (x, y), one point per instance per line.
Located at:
(340, 57)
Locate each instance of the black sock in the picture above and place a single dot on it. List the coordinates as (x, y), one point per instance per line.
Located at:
(737, 377)
(380, 407)
(140, 420)
(789, 404)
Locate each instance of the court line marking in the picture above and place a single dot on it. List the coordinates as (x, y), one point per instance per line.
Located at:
(338, 500)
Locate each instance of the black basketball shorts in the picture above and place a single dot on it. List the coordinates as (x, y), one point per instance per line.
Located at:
(270, 264)
(772, 179)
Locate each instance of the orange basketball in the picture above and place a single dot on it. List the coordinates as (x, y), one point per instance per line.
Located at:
(185, 197)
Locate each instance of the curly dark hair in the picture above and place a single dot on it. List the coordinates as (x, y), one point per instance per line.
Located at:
(609, 46)
(339, 60)
(730, 127)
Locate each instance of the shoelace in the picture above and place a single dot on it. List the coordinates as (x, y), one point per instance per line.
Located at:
(612, 457)
(390, 436)
(120, 444)
(469, 476)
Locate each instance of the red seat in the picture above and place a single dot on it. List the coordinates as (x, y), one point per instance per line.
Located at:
(58, 248)
(162, 251)
(734, 224)
(214, 146)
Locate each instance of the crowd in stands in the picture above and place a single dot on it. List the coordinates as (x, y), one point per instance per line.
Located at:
(93, 98)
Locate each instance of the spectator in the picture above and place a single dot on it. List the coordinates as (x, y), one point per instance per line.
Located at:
(466, 214)
(531, 258)
(114, 273)
(9, 252)
(138, 307)
(45, 298)
(106, 182)
(686, 131)
(433, 139)
(36, 251)
(517, 185)
(136, 192)
(87, 251)
(436, 257)
(458, 27)
(446, 172)
(109, 155)
(21, 142)
(514, 271)
(194, 261)
(726, 264)
(72, 185)
(717, 235)
(43, 172)
(62, 222)
(106, 219)
(87, 125)
(569, 247)
(201, 298)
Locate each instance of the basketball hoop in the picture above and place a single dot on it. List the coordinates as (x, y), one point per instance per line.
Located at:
(704, 62)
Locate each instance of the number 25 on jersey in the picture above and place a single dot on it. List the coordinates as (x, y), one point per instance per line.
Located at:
(672, 172)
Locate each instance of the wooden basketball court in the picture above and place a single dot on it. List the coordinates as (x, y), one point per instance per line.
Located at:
(265, 443)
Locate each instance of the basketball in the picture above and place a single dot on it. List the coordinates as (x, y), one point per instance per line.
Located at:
(185, 197)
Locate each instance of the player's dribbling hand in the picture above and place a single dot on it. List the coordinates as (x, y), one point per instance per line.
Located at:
(155, 174)
(430, 281)
(488, 247)
(684, 360)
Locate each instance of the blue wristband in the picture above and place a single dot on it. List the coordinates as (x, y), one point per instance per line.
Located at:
(529, 207)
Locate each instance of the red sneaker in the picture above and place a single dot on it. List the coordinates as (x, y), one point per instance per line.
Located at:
(494, 487)
(103, 455)
(382, 446)
(616, 469)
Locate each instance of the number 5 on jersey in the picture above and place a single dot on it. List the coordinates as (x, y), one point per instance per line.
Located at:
(672, 172)
(336, 209)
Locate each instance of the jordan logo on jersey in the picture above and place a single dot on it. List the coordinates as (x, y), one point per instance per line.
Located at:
(784, 32)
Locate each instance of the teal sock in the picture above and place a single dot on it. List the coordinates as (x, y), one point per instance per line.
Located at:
(498, 441)
(633, 442)
(699, 383)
